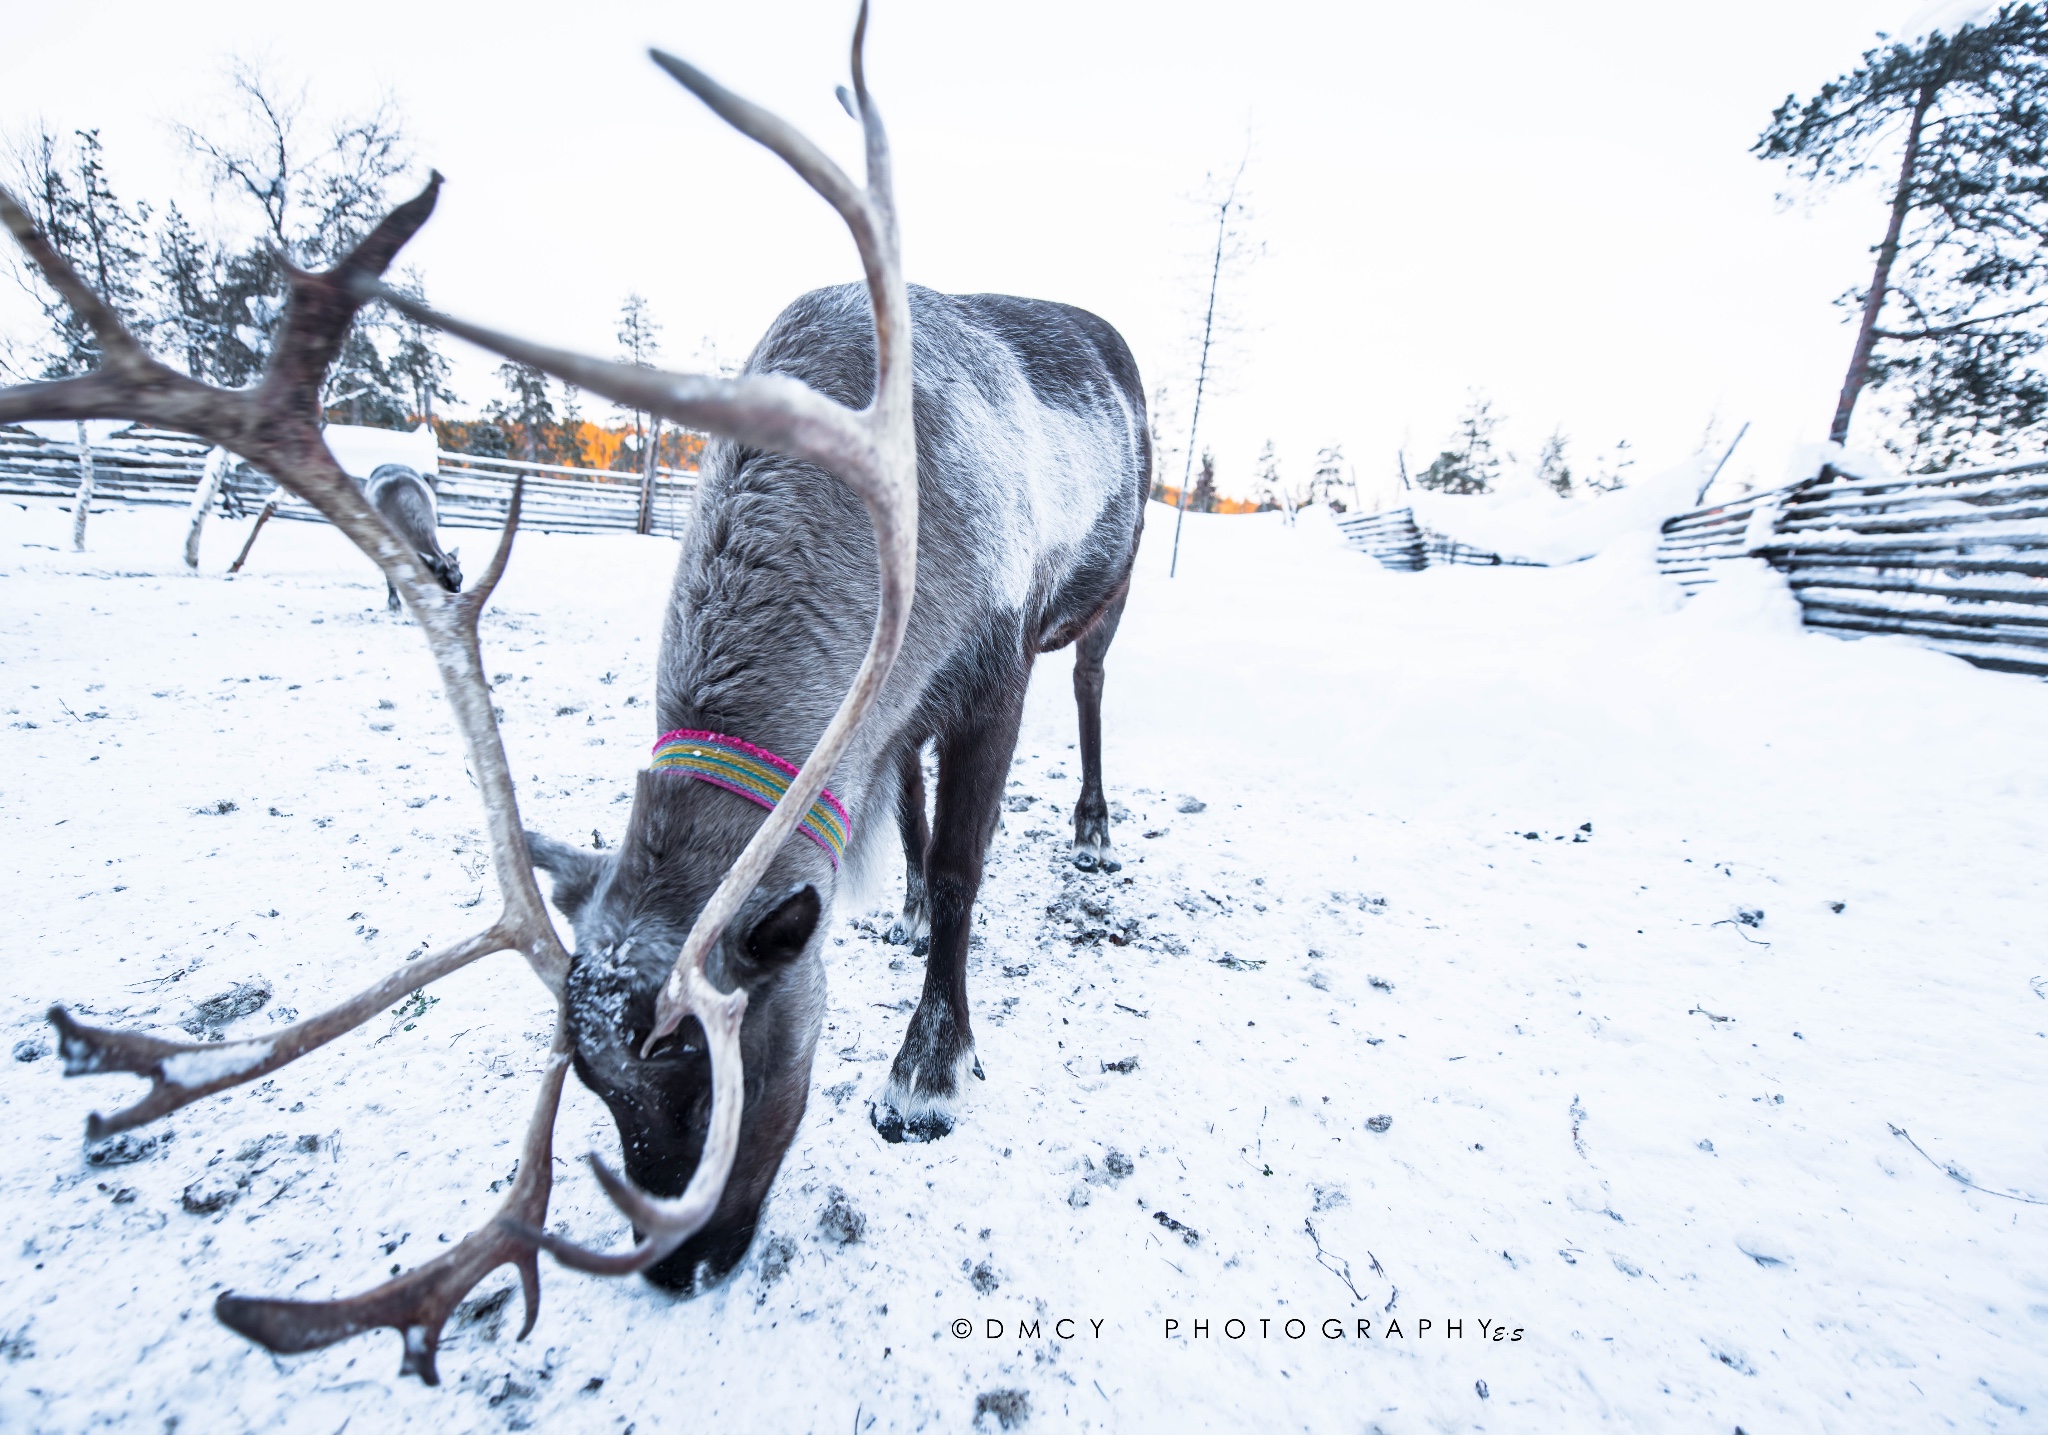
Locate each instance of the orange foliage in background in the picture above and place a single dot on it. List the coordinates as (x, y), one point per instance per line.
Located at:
(1169, 495)
(587, 445)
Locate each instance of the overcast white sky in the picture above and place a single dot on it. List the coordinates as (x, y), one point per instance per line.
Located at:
(1554, 204)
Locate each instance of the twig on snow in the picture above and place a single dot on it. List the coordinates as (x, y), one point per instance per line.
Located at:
(1953, 1174)
(1702, 1011)
(1342, 1270)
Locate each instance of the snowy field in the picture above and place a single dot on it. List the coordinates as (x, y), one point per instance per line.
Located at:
(1662, 937)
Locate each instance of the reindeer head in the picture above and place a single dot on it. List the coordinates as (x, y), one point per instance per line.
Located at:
(632, 908)
(447, 569)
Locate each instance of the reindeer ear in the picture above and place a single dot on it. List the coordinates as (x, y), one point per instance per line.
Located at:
(780, 936)
(574, 870)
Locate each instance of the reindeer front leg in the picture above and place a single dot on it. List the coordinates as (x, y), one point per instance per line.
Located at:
(937, 1055)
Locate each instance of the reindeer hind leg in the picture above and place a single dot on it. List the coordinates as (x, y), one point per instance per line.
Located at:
(914, 927)
(1091, 812)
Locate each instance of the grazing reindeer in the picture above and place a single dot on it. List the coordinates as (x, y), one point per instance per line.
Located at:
(715, 1038)
(407, 504)
(1032, 475)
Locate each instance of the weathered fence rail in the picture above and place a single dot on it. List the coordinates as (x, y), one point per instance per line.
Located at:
(134, 466)
(1399, 543)
(153, 466)
(1390, 537)
(1958, 561)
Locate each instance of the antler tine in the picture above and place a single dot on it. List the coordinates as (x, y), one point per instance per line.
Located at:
(417, 1304)
(182, 1072)
(487, 584)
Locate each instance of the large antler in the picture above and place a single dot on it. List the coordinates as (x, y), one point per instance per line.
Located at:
(276, 426)
(873, 452)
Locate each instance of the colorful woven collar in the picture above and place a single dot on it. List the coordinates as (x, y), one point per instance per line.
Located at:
(755, 774)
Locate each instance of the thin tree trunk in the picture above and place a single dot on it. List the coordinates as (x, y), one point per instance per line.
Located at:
(83, 501)
(202, 502)
(1201, 380)
(1880, 282)
(653, 453)
(1701, 496)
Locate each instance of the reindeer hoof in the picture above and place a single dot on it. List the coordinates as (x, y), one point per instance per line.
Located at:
(914, 932)
(894, 1128)
(1092, 858)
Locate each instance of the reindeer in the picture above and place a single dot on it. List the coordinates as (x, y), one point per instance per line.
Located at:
(703, 1053)
(407, 504)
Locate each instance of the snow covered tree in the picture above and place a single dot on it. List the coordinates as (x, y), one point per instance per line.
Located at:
(1610, 470)
(72, 201)
(417, 363)
(1473, 463)
(527, 412)
(1553, 471)
(1952, 319)
(567, 438)
(312, 192)
(1268, 489)
(1331, 479)
(1158, 414)
(1202, 497)
(639, 337)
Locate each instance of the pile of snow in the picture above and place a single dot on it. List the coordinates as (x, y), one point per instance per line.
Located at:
(360, 450)
(1524, 519)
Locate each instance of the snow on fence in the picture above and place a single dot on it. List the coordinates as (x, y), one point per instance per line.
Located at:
(136, 465)
(1391, 537)
(141, 465)
(1399, 543)
(1958, 560)
(474, 492)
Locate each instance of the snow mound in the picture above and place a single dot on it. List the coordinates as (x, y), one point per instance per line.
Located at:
(1746, 596)
(1532, 522)
(360, 450)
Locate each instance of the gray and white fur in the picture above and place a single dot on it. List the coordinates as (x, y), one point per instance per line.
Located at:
(407, 503)
(1033, 464)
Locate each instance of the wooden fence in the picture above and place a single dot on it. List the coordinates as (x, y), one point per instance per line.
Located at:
(136, 465)
(140, 465)
(1957, 560)
(1399, 543)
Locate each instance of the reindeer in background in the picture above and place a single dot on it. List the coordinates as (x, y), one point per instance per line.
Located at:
(406, 502)
(692, 1001)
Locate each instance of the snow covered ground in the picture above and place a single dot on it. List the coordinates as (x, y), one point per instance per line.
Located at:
(1469, 849)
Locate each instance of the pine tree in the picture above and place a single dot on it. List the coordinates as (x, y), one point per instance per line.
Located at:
(1473, 464)
(1202, 498)
(1552, 469)
(417, 363)
(1610, 472)
(72, 201)
(639, 337)
(1330, 478)
(1267, 486)
(1952, 319)
(527, 414)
